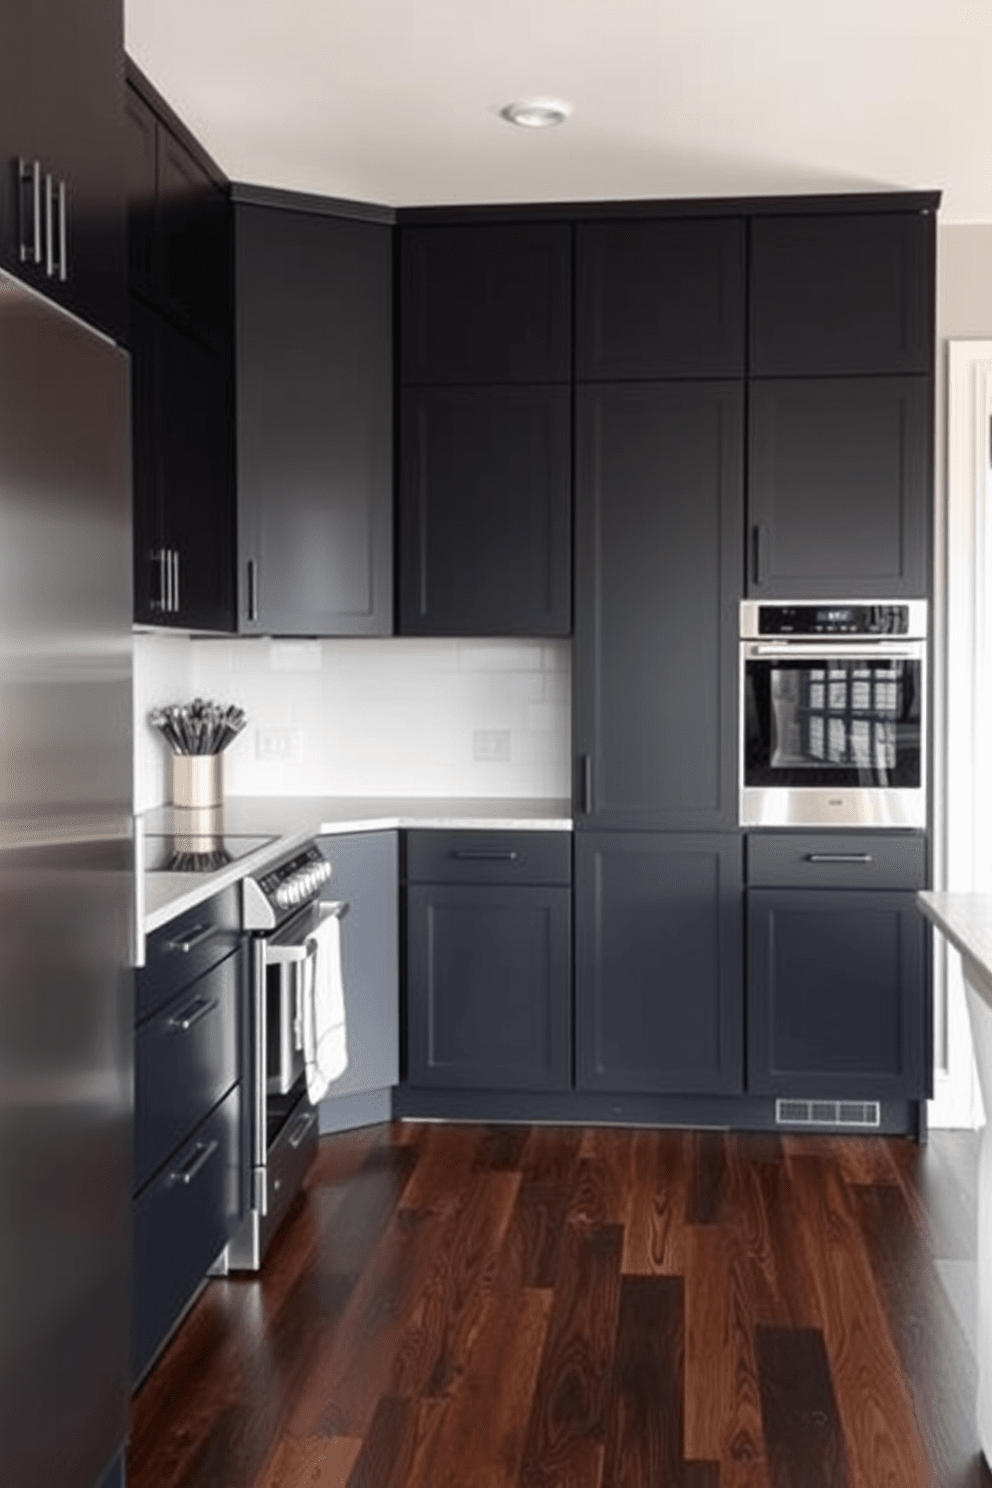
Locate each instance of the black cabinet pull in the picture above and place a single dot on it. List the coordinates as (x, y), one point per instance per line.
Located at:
(199, 1158)
(63, 235)
(838, 857)
(29, 178)
(160, 558)
(196, 937)
(468, 855)
(192, 1013)
(252, 591)
(585, 765)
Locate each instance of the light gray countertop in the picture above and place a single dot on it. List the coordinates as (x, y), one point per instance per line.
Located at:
(292, 820)
(966, 920)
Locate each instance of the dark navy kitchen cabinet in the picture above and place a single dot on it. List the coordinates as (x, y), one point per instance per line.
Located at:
(659, 1002)
(839, 486)
(488, 960)
(314, 417)
(485, 511)
(61, 166)
(486, 303)
(659, 511)
(661, 298)
(182, 372)
(842, 293)
(838, 986)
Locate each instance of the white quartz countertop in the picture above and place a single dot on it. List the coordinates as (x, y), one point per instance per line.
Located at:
(292, 820)
(966, 920)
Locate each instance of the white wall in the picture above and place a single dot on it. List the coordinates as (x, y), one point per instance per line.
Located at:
(368, 717)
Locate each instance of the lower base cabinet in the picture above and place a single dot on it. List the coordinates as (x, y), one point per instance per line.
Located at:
(659, 992)
(488, 960)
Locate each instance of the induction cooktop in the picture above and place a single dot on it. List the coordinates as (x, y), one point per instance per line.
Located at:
(206, 852)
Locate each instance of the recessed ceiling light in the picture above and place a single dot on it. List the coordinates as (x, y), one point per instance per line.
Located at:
(536, 113)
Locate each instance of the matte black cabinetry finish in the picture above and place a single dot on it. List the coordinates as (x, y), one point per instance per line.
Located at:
(488, 960)
(189, 1146)
(485, 511)
(841, 404)
(659, 505)
(485, 453)
(838, 1004)
(179, 276)
(660, 299)
(314, 419)
(659, 982)
(61, 103)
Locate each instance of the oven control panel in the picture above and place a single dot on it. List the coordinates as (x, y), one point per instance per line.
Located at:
(291, 883)
(859, 618)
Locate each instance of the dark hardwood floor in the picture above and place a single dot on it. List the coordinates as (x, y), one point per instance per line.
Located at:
(517, 1307)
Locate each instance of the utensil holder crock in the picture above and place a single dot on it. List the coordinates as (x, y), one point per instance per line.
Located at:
(197, 780)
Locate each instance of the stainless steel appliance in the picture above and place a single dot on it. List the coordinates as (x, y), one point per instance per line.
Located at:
(833, 714)
(68, 932)
(282, 907)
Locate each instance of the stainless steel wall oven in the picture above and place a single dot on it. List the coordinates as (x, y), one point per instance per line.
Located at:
(282, 907)
(833, 714)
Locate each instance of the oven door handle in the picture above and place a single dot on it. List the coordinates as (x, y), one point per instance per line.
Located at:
(842, 651)
(296, 950)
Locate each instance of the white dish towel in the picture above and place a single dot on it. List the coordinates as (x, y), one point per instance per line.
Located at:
(325, 1044)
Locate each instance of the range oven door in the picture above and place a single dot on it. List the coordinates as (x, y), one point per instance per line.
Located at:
(289, 962)
(833, 734)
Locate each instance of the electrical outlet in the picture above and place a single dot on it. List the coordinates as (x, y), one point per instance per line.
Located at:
(491, 744)
(277, 744)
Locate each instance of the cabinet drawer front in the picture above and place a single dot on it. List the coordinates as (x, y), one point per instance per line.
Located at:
(182, 1221)
(185, 1058)
(489, 857)
(841, 860)
(185, 948)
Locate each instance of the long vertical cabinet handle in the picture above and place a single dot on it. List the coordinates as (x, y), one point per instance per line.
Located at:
(758, 546)
(585, 764)
(29, 177)
(49, 225)
(175, 581)
(63, 234)
(252, 590)
(160, 557)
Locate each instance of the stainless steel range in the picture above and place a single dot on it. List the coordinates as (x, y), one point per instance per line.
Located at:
(281, 907)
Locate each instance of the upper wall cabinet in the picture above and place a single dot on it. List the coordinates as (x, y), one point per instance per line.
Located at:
(314, 419)
(851, 293)
(660, 299)
(486, 303)
(61, 174)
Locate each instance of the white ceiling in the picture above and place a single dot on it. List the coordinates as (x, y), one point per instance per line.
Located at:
(396, 101)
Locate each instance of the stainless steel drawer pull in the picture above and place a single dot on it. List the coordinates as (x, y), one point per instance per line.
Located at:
(301, 1128)
(195, 938)
(29, 177)
(201, 1155)
(838, 857)
(63, 234)
(467, 855)
(193, 1013)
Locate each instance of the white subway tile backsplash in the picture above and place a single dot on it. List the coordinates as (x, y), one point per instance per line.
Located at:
(392, 716)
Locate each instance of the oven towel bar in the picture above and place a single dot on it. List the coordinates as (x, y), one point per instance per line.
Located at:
(325, 1044)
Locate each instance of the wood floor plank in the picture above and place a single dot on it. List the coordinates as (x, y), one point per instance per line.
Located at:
(938, 1181)
(552, 1153)
(644, 1438)
(883, 1442)
(660, 1177)
(444, 1316)
(317, 1460)
(539, 1229)
(388, 1446)
(803, 1431)
(602, 1185)
(446, 1163)
(501, 1149)
(569, 1416)
(708, 1177)
(936, 1360)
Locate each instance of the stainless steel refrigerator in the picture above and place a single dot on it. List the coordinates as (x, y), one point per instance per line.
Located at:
(67, 917)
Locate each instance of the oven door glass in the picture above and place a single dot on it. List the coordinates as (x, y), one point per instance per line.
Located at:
(833, 721)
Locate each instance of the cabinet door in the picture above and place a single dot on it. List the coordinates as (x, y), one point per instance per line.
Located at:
(847, 293)
(659, 504)
(365, 873)
(485, 511)
(660, 299)
(659, 998)
(839, 487)
(486, 303)
(141, 183)
(61, 106)
(836, 994)
(193, 243)
(147, 517)
(488, 987)
(314, 423)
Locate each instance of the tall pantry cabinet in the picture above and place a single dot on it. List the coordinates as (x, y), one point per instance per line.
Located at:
(659, 498)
